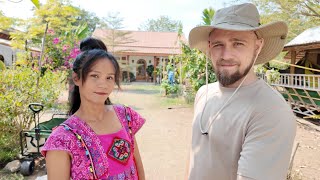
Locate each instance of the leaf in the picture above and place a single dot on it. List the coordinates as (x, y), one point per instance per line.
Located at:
(36, 3)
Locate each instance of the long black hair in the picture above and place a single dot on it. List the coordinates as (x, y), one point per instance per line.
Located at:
(82, 66)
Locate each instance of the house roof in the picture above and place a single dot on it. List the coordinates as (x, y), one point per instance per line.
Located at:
(305, 39)
(143, 42)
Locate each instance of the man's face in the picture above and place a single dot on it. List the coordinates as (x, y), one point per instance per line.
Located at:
(232, 54)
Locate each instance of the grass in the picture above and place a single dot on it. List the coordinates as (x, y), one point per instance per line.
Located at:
(173, 102)
(8, 176)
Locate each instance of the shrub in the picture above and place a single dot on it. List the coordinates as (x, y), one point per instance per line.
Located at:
(18, 88)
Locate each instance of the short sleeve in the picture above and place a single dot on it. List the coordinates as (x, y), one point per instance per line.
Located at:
(268, 145)
(60, 139)
(137, 120)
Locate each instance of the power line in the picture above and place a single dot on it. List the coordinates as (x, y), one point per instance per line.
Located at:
(19, 1)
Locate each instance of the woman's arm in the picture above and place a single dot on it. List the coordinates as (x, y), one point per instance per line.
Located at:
(138, 161)
(58, 165)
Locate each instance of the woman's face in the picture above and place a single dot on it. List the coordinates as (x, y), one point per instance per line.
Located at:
(99, 82)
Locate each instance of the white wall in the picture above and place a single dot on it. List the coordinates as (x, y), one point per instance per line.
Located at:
(7, 53)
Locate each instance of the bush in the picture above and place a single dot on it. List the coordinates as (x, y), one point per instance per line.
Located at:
(2, 66)
(169, 88)
(125, 74)
(18, 88)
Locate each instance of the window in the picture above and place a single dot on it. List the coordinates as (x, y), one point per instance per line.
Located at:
(123, 58)
(132, 61)
(149, 61)
(1, 58)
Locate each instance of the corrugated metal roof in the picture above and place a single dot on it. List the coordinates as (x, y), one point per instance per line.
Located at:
(309, 36)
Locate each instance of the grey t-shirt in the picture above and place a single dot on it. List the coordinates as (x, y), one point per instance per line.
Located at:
(252, 136)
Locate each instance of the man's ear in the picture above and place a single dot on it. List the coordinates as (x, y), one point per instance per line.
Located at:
(75, 79)
(259, 45)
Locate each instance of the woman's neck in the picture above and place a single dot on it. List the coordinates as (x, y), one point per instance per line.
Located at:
(92, 113)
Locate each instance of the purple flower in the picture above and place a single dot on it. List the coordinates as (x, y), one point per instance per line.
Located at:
(56, 40)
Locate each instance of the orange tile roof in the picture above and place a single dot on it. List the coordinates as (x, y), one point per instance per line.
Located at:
(143, 42)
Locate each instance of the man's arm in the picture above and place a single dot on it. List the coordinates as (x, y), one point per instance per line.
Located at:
(268, 145)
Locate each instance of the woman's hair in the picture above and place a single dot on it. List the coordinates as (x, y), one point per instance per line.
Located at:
(83, 64)
(90, 43)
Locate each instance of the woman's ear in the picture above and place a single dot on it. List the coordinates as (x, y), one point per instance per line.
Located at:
(75, 79)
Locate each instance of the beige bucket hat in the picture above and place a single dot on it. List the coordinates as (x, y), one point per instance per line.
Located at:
(243, 17)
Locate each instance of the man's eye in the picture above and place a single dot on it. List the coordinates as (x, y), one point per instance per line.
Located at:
(216, 45)
(94, 76)
(238, 44)
(110, 78)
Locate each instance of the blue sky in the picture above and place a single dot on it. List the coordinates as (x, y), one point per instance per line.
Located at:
(134, 12)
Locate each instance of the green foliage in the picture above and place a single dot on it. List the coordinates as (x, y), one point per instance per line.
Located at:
(194, 67)
(6, 22)
(18, 89)
(150, 70)
(9, 144)
(300, 15)
(162, 24)
(272, 76)
(36, 3)
(59, 14)
(2, 66)
(169, 88)
(207, 15)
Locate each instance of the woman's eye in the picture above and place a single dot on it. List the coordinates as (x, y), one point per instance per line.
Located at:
(110, 78)
(94, 76)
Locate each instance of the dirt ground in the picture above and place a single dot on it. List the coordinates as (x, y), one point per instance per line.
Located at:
(165, 138)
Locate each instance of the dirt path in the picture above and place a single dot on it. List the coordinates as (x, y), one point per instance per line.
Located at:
(164, 139)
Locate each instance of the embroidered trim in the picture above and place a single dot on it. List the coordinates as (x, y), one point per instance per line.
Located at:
(120, 150)
(83, 144)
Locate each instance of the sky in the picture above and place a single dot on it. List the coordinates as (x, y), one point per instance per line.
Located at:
(133, 12)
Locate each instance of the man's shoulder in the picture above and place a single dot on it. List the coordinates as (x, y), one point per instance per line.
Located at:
(211, 86)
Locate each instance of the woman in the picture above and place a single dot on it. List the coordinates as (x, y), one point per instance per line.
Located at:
(97, 141)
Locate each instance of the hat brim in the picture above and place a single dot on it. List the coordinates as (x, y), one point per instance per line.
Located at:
(274, 35)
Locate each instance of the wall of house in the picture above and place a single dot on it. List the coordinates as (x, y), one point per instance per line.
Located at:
(8, 55)
(312, 56)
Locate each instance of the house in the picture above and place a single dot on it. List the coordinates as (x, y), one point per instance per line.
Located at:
(8, 55)
(136, 50)
(300, 84)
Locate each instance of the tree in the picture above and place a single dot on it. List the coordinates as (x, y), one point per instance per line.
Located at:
(299, 14)
(6, 22)
(162, 24)
(207, 15)
(115, 37)
(91, 19)
(57, 21)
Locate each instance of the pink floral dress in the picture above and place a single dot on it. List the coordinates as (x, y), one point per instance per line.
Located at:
(93, 156)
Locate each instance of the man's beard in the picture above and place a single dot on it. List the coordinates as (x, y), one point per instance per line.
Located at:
(226, 79)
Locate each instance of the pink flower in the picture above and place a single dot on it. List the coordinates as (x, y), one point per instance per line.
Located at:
(56, 41)
(65, 48)
(51, 31)
(74, 52)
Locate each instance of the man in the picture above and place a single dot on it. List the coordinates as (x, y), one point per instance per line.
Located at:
(242, 128)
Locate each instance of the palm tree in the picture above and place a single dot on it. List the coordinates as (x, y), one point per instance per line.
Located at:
(207, 15)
